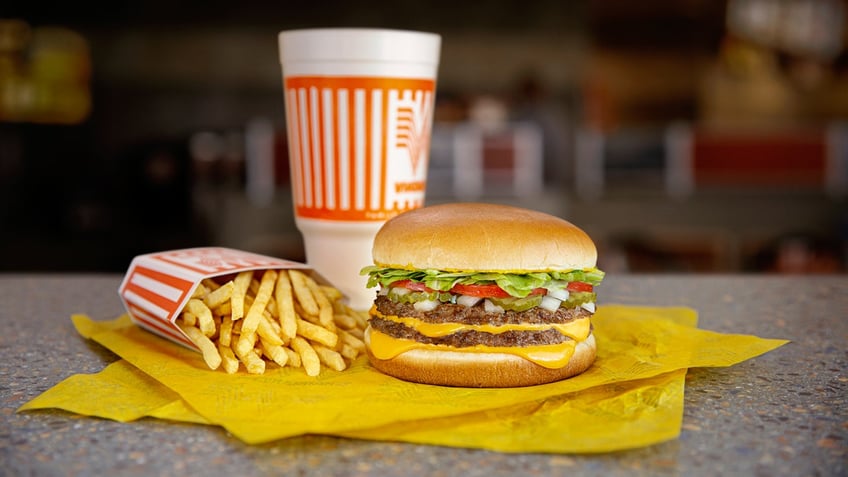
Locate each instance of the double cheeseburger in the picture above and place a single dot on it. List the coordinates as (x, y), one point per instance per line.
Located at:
(481, 295)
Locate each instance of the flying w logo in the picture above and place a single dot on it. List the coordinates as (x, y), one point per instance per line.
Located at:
(412, 126)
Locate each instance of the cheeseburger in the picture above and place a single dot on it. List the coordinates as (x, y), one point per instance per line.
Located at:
(481, 295)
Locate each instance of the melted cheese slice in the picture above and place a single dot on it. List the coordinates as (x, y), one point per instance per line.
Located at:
(553, 356)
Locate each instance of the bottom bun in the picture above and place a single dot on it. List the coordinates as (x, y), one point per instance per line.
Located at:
(479, 370)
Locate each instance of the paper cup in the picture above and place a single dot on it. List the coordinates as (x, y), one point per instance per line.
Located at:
(359, 111)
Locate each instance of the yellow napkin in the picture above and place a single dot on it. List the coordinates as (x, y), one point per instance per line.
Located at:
(631, 397)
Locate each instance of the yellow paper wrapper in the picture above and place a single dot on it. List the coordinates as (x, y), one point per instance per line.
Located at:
(601, 419)
(631, 397)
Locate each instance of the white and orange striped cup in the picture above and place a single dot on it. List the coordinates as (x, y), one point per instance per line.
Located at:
(359, 111)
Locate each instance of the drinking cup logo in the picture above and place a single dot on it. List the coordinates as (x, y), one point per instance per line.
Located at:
(358, 146)
(413, 131)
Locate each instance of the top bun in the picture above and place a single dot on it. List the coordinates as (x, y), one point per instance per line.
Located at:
(482, 238)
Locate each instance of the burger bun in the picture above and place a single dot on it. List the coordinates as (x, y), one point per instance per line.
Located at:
(479, 237)
(479, 370)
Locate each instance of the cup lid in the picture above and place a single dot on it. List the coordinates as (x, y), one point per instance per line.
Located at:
(359, 44)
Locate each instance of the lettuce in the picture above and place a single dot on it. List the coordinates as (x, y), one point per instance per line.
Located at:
(516, 284)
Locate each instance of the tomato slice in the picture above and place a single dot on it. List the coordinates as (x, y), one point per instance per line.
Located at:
(482, 291)
(491, 290)
(411, 285)
(488, 291)
(579, 287)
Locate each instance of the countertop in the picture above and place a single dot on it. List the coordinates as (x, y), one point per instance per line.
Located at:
(782, 413)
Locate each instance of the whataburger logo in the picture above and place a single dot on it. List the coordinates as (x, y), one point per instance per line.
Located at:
(413, 131)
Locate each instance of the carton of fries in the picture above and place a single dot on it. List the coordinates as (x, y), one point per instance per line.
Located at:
(242, 310)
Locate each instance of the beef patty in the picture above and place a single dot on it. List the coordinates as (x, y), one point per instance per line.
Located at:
(477, 315)
(462, 339)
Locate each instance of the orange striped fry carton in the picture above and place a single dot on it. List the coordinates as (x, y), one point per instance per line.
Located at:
(157, 285)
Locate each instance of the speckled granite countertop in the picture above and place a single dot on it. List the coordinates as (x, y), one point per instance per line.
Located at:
(783, 413)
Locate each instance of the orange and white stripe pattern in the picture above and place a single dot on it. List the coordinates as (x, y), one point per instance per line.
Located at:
(157, 286)
(358, 146)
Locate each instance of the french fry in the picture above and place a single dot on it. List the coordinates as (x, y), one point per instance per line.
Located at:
(284, 317)
(252, 362)
(360, 316)
(217, 321)
(304, 315)
(285, 306)
(203, 314)
(207, 348)
(271, 307)
(266, 331)
(225, 333)
(219, 296)
(303, 293)
(210, 284)
(188, 318)
(294, 358)
(330, 358)
(225, 308)
(316, 333)
(248, 300)
(240, 285)
(333, 294)
(308, 356)
(357, 332)
(349, 351)
(245, 343)
(325, 308)
(200, 291)
(345, 321)
(237, 327)
(274, 352)
(228, 360)
(352, 340)
(269, 317)
(263, 294)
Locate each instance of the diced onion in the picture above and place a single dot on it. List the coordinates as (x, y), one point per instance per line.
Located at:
(590, 307)
(426, 305)
(560, 294)
(400, 291)
(550, 303)
(491, 307)
(467, 300)
(383, 291)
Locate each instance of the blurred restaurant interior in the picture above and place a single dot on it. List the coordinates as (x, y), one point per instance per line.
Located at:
(683, 135)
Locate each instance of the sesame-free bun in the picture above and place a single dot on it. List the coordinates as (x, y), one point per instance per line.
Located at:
(482, 237)
(479, 370)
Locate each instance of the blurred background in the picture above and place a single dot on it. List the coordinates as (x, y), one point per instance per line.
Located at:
(683, 135)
